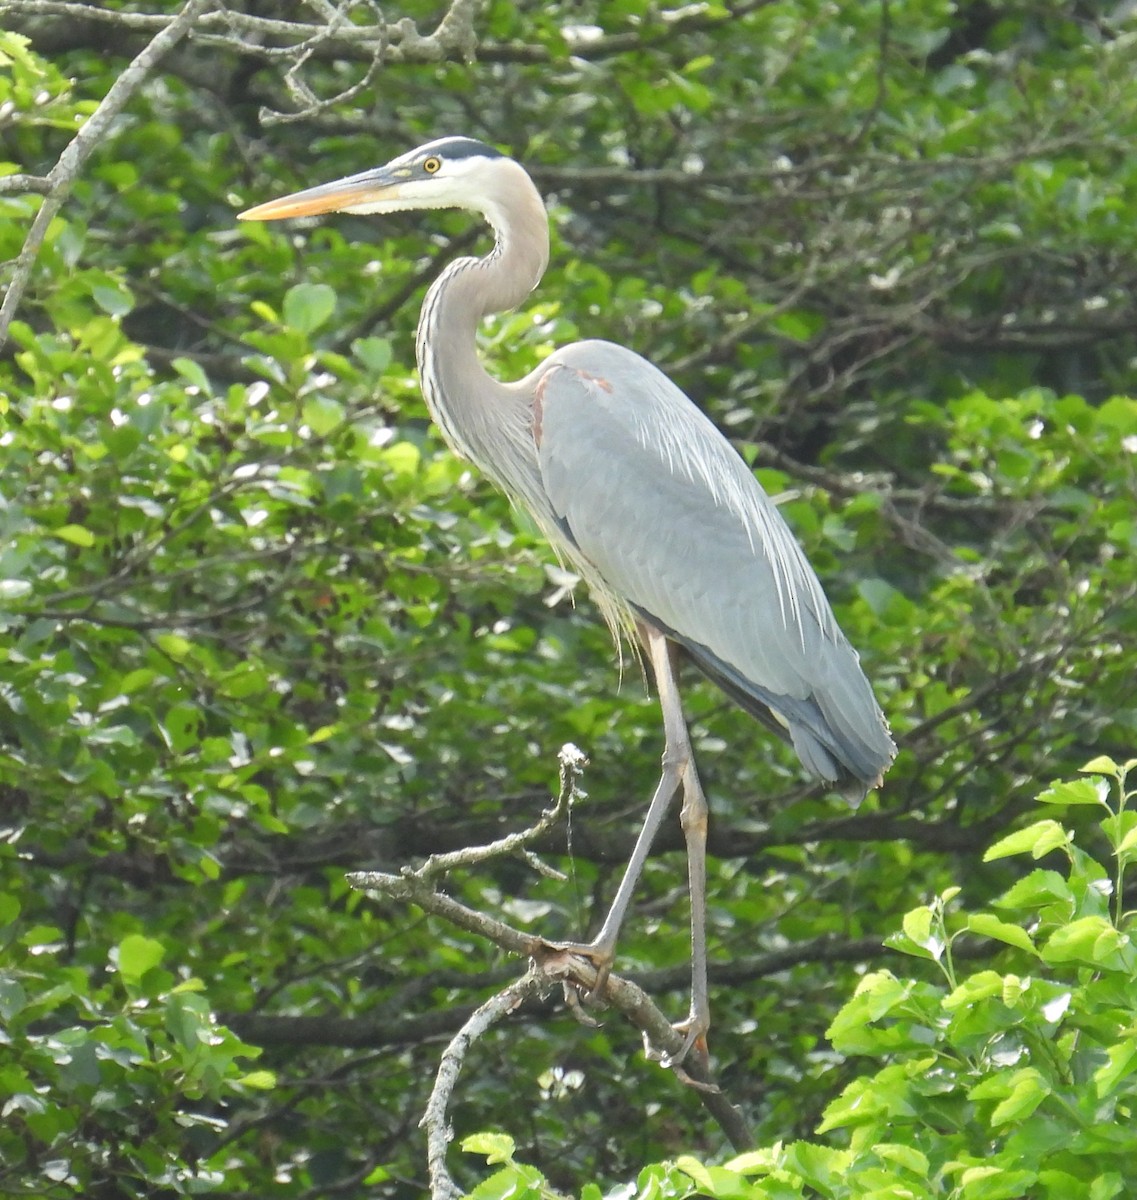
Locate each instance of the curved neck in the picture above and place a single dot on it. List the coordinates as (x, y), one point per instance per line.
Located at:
(465, 402)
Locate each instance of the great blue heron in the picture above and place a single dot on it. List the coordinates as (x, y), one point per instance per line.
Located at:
(642, 495)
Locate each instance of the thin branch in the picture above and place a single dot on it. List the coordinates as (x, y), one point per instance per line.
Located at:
(434, 1119)
(24, 184)
(574, 972)
(63, 175)
(309, 103)
(408, 889)
(573, 762)
(453, 39)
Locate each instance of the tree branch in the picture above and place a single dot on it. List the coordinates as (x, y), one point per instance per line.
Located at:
(434, 1121)
(377, 1032)
(572, 763)
(574, 972)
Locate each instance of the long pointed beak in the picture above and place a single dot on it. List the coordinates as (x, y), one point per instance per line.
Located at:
(369, 188)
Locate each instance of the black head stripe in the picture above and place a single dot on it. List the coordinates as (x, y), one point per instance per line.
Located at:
(462, 147)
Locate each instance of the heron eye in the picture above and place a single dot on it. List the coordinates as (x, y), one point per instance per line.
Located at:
(431, 165)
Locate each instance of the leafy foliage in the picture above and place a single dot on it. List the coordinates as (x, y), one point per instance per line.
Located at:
(258, 628)
(1018, 1079)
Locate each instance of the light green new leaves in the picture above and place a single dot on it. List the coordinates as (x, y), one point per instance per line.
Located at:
(136, 955)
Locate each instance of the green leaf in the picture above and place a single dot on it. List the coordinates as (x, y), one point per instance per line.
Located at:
(1129, 842)
(1038, 839)
(1106, 1186)
(307, 306)
(373, 352)
(1102, 765)
(1121, 1062)
(262, 1080)
(322, 414)
(115, 299)
(182, 727)
(1040, 887)
(884, 1097)
(719, 1182)
(193, 374)
(173, 644)
(822, 1167)
(134, 681)
(1026, 1093)
(907, 1157)
(497, 1147)
(974, 990)
(136, 955)
(995, 1183)
(756, 1162)
(510, 1183)
(77, 535)
(876, 994)
(1091, 940)
(9, 908)
(189, 1020)
(917, 926)
(1076, 791)
(13, 997)
(987, 925)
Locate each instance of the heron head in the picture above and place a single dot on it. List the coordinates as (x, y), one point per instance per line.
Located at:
(451, 172)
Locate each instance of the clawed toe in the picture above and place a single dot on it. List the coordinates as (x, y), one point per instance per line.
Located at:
(581, 995)
(577, 994)
(694, 1046)
(576, 1000)
(694, 1042)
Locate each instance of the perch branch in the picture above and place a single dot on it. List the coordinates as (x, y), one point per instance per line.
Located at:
(573, 971)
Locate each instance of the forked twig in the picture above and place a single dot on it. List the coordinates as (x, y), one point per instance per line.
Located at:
(549, 965)
(573, 762)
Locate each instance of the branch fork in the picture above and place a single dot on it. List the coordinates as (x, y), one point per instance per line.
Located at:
(550, 965)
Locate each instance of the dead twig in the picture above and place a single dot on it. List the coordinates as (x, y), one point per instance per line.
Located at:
(573, 762)
(550, 964)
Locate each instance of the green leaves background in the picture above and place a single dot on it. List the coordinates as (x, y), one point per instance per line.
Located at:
(258, 628)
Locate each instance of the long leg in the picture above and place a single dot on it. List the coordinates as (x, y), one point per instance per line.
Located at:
(693, 818)
(678, 772)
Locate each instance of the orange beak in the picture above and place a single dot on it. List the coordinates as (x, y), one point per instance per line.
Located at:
(370, 191)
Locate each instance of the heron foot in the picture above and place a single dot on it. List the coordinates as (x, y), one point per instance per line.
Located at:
(577, 994)
(694, 1031)
(575, 1002)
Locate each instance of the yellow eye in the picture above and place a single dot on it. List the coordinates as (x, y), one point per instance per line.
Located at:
(431, 165)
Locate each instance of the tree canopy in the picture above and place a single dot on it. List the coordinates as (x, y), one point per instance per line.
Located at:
(259, 628)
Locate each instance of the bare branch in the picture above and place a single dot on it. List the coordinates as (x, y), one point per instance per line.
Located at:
(434, 1120)
(23, 184)
(572, 762)
(410, 889)
(453, 38)
(573, 971)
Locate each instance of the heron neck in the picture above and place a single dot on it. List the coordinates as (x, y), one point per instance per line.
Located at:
(469, 405)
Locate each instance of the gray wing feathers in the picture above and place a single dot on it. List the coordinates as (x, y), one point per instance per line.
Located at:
(672, 521)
